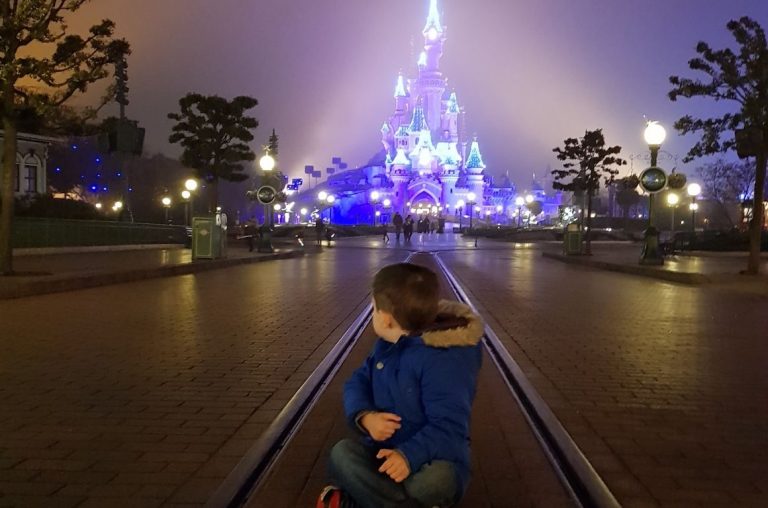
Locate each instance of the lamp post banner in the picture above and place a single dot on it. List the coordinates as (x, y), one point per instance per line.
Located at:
(266, 194)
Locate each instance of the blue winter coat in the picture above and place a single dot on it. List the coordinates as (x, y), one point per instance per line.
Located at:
(429, 381)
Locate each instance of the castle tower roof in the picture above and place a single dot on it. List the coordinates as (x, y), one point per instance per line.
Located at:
(401, 159)
(475, 158)
(418, 121)
(453, 103)
(400, 90)
(433, 19)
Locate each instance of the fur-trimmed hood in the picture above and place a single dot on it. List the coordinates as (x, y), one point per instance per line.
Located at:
(455, 325)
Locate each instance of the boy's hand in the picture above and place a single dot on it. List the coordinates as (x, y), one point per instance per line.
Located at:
(381, 426)
(395, 465)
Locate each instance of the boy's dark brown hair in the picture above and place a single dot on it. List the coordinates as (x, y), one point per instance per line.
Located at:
(409, 292)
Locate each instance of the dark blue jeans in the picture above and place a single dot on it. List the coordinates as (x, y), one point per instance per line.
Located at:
(355, 469)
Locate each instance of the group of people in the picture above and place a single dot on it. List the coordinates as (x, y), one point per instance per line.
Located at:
(405, 226)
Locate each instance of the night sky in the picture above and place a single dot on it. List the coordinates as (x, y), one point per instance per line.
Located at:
(529, 73)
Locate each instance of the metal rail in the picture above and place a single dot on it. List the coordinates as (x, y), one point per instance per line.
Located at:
(574, 470)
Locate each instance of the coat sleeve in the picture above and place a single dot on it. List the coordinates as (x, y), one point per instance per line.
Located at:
(447, 390)
(358, 393)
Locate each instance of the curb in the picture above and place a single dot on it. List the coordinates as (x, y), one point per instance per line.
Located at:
(72, 283)
(654, 273)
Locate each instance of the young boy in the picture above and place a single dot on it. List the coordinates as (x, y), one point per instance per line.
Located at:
(411, 400)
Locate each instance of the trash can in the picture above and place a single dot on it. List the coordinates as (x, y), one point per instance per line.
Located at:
(209, 236)
(572, 240)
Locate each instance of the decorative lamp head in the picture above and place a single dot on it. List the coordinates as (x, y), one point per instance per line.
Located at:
(330, 199)
(185, 194)
(375, 195)
(191, 185)
(519, 201)
(471, 196)
(672, 199)
(267, 163)
(387, 203)
(166, 201)
(322, 196)
(654, 134)
(529, 198)
(694, 190)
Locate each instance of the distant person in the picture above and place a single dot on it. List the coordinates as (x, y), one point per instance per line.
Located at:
(319, 231)
(385, 232)
(408, 228)
(329, 234)
(397, 221)
(410, 403)
(250, 232)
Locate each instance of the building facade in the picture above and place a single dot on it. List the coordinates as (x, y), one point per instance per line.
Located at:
(31, 164)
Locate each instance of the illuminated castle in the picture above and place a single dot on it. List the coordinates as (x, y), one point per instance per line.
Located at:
(427, 158)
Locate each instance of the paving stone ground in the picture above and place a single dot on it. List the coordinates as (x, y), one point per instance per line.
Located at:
(662, 385)
(148, 393)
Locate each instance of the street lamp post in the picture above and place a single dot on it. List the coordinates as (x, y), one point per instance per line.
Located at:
(191, 186)
(267, 164)
(672, 200)
(471, 204)
(694, 190)
(519, 201)
(374, 200)
(167, 205)
(186, 195)
(331, 199)
(652, 180)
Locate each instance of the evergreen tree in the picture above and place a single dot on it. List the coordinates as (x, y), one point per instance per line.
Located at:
(44, 81)
(273, 144)
(214, 133)
(741, 78)
(586, 161)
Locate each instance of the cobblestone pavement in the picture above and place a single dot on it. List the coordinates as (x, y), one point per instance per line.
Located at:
(148, 393)
(663, 386)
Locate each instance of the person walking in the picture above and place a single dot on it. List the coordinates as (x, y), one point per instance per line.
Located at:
(408, 228)
(319, 230)
(384, 232)
(397, 221)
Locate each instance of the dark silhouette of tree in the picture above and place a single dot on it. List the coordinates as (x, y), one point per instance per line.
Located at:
(535, 207)
(214, 133)
(586, 162)
(627, 195)
(272, 145)
(740, 77)
(39, 81)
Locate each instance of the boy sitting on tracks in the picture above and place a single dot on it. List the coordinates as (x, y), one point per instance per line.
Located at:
(411, 400)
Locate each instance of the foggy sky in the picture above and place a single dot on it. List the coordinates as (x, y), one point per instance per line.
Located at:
(529, 72)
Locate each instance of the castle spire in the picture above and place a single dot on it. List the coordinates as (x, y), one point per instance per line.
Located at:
(433, 27)
(418, 122)
(400, 88)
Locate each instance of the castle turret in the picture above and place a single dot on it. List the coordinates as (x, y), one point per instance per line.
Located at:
(400, 175)
(401, 96)
(431, 84)
(418, 124)
(474, 167)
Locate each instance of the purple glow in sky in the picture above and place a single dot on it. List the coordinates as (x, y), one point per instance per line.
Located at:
(529, 73)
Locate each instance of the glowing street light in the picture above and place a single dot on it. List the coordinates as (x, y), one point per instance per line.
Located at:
(387, 203)
(672, 200)
(529, 199)
(98, 206)
(471, 196)
(519, 201)
(654, 135)
(330, 199)
(322, 196)
(374, 200)
(267, 162)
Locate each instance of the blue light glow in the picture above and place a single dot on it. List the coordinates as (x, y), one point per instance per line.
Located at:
(74, 148)
(58, 170)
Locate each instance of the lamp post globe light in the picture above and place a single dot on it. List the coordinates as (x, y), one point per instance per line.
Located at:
(460, 211)
(652, 180)
(186, 196)
(267, 162)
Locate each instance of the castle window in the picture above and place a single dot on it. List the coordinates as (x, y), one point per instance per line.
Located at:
(31, 179)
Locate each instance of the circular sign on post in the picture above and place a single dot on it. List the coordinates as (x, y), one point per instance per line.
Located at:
(266, 194)
(653, 179)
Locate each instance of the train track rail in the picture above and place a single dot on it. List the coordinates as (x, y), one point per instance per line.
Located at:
(574, 471)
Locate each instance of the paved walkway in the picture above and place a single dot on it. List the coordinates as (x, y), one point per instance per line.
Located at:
(695, 267)
(56, 272)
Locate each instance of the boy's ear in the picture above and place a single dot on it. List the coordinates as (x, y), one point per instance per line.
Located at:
(387, 319)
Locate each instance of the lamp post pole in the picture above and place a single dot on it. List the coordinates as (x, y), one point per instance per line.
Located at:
(471, 197)
(519, 201)
(652, 180)
(374, 199)
(167, 205)
(191, 186)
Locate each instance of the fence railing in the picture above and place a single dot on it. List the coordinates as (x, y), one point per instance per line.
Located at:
(30, 232)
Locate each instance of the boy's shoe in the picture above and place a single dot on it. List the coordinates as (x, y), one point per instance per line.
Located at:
(330, 497)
